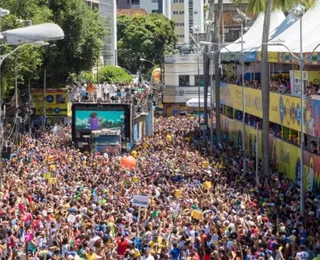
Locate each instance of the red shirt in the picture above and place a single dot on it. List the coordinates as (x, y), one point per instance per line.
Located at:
(206, 257)
(122, 246)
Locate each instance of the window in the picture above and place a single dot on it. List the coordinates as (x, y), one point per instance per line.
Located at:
(179, 24)
(176, 1)
(155, 11)
(154, 1)
(184, 80)
(181, 12)
(175, 12)
(199, 79)
(135, 2)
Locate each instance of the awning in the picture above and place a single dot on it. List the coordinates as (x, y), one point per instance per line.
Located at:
(252, 38)
(194, 102)
(310, 33)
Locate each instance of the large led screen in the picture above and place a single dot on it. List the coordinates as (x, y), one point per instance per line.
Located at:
(89, 120)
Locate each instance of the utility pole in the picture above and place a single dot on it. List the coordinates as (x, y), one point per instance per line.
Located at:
(44, 97)
(206, 64)
(29, 93)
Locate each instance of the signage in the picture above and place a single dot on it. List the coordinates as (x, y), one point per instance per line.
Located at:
(181, 94)
(140, 201)
(56, 102)
(284, 109)
(284, 157)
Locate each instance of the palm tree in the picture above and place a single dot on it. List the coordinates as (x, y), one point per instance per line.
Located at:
(255, 7)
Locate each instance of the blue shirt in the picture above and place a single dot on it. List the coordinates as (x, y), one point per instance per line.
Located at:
(175, 253)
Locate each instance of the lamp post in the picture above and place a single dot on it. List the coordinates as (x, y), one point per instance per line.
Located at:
(241, 18)
(142, 59)
(222, 46)
(25, 36)
(3, 12)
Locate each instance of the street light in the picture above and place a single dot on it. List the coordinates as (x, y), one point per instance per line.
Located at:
(23, 36)
(142, 59)
(298, 11)
(222, 46)
(4, 12)
(242, 18)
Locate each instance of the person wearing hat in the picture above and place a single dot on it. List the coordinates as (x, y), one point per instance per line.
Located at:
(269, 254)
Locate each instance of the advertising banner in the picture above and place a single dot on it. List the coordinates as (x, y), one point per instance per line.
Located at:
(284, 109)
(284, 157)
(56, 102)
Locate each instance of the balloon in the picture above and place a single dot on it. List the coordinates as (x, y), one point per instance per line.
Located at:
(128, 162)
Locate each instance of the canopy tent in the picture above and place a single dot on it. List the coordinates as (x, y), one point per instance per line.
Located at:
(253, 38)
(194, 102)
(310, 33)
(286, 23)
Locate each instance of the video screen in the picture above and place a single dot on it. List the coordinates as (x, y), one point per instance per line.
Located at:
(90, 120)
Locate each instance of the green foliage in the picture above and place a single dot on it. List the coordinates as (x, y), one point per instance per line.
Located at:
(87, 76)
(114, 74)
(259, 6)
(84, 31)
(143, 36)
(79, 50)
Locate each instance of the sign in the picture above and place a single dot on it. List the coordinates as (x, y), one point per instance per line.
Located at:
(284, 109)
(181, 94)
(196, 214)
(140, 201)
(56, 102)
(284, 157)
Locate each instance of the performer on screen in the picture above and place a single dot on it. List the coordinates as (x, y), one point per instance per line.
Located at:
(94, 121)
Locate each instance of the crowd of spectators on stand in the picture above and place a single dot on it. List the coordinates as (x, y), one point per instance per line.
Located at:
(277, 84)
(137, 94)
(201, 207)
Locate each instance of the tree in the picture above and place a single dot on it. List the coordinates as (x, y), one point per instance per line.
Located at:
(80, 49)
(114, 74)
(143, 36)
(28, 59)
(256, 7)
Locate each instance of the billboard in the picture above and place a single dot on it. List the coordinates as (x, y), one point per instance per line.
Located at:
(284, 157)
(87, 117)
(56, 103)
(283, 110)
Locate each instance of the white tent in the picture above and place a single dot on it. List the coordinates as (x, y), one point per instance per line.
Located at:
(286, 23)
(253, 37)
(310, 33)
(194, 102)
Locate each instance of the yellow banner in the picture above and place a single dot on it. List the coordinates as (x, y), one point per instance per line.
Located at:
(56, 102)
(284, 109)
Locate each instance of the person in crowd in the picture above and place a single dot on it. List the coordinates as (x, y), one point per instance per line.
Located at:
(59, 203)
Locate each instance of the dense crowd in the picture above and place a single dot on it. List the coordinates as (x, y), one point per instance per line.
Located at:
(277, 84)
(59, 203)
(108, 92)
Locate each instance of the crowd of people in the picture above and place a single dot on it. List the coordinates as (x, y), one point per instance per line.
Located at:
(277, 84)
(59, 203)
(107, 92)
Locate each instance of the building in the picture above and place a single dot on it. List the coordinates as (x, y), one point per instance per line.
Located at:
(132, 12)
(108, 11)
(183, 80)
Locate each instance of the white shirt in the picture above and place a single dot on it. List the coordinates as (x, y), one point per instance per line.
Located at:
(303, 255)
(150, 257)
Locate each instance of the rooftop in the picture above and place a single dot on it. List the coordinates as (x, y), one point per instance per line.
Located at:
(132, 12)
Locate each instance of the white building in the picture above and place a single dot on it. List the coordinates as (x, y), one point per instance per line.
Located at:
(183, 75)
(108, 11)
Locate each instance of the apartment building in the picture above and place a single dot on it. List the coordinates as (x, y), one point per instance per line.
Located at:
(108, 12)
